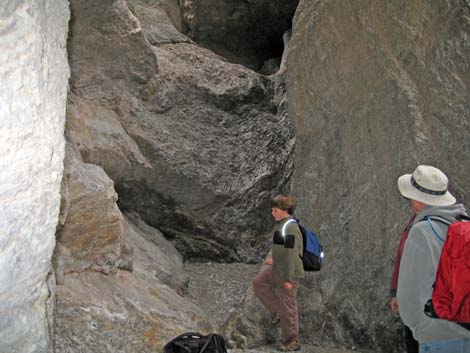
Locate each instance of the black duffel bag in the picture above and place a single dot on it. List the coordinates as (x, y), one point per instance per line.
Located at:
(193, 342)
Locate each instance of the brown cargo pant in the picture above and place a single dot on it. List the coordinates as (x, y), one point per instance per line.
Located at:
(285, 304)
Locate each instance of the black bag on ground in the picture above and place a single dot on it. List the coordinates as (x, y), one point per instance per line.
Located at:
(193, 342)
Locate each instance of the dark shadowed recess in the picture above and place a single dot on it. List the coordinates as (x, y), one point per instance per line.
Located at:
(247, 32)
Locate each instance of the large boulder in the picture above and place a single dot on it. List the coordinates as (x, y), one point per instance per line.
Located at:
(195, 145)
(159, 256)
(94, 234)
(373, 91)
(118, 280)
(123, 312)
(245, 32)
(161, 20)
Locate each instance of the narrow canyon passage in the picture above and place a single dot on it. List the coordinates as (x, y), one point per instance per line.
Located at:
(142, 141)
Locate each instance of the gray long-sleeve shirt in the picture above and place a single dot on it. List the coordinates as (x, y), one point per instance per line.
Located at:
(417, 275)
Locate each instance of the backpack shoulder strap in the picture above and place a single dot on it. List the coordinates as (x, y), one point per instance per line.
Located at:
(214, 341)
(434, 230)
(438, 219)
(284, 227)
(208, 342)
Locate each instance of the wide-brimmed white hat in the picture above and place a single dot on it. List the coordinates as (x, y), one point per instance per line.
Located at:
(428, 185)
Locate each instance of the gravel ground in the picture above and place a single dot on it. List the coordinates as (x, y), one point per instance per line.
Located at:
(219, 288)
(304, 349)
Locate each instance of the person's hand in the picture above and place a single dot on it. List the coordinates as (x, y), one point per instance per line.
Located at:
(288, 285)
(394, 305)
(268, 261)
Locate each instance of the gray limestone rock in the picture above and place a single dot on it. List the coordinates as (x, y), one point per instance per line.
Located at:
(123, 312)
(161, 21)
(94, 235)
(373, 91)
(161, 257)
(195, 145)
(371, 96)
(99, 307)
(33, 75)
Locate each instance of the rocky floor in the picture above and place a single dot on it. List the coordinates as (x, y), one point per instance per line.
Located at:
(304, 349)
(218, 289)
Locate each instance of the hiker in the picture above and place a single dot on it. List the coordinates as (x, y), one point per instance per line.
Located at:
(284, 272)
(412, 346)
(426, 190)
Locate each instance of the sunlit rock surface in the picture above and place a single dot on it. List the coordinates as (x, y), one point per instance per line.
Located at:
(123, 312)
(94, 234)
(33, 75)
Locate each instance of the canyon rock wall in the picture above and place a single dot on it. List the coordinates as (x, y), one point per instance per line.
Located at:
(33, 75)
(188, 143)
(194, 144)
(374, 90)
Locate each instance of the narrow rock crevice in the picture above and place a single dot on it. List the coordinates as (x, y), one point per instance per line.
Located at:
(246, 33)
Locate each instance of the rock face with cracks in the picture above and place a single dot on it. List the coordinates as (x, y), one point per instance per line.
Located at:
(33, 75)
(94, 234)
(123, 312)
(189, 143)
(118, 280)
(195, 145)
(373, 92)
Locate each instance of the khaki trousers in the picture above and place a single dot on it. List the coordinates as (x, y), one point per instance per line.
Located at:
(285, 304)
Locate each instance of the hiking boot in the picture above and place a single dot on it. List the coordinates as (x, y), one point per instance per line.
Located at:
(291, 345)
(275, 319)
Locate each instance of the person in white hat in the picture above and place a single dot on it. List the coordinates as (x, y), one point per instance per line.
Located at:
(428, 195)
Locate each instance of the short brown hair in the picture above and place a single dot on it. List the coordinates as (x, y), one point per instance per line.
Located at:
(284, 202)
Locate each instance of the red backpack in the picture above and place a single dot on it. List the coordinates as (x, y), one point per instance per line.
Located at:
(451, 294)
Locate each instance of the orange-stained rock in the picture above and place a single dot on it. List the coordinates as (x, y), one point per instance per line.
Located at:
(94, 235)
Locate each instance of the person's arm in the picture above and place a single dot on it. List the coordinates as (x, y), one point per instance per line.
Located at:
(396, 271)
(394, 281)
(396, 266)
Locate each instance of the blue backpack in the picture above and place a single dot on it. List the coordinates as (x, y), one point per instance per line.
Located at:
(313, 255)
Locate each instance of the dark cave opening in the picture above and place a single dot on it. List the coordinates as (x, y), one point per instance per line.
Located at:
(246, 33)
